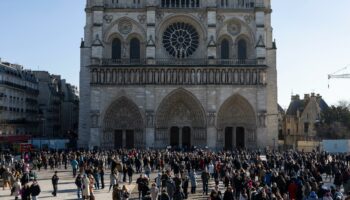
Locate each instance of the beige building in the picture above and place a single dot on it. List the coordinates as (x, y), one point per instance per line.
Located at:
(182, 73)
(18, 101)
(301, 118)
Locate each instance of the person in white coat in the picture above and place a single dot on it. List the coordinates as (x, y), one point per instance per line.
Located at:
(16, 189)
(86, 187)
(211, 169)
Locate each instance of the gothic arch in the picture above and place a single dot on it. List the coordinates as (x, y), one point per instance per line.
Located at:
(113, 28)
(219, 45)
(122, 114)
(236, 110)
(236, 113)
(180, 108)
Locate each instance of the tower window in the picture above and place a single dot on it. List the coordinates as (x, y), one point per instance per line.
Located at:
(242, 49)
(225, 49)
(116, 49)
(134, 49)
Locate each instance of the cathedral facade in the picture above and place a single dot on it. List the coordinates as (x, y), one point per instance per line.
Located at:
(180, 73)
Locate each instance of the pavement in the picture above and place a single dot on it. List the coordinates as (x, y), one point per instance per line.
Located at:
(67, 189)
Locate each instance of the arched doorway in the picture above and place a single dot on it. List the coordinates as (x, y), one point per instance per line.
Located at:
(180, 120)
(174, 136)
(236, 123)
(123, 125)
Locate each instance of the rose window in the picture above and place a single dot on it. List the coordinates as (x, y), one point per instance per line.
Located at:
(180, 40)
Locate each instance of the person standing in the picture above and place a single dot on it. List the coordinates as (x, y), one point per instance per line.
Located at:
(74, 163)
(79, 184)
(35, 189)
(17, 189)
(205, 179)
(54, 180)
(154, 192)
(102, 173)
(193, 180)
(130, 173)
(86, 187)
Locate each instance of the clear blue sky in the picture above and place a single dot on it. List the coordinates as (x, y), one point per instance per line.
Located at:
(313, 40)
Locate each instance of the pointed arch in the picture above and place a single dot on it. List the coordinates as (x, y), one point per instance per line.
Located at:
(180, 106)
(135, 49)
(236, 110)
(116, 48)
(180, 110)
(123, 113)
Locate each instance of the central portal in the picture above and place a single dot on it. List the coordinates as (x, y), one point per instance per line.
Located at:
(186, 137)
(124, 139)
(174, 136)
(240, 141)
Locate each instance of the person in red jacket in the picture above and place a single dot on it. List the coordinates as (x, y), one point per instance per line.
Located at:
(292, 189)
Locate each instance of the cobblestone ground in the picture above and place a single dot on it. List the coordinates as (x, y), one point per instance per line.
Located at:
(67, 188)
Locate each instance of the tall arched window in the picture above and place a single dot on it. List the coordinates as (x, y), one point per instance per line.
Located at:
(242, 49)
(116, 49)
(134, 49)
(225, 49)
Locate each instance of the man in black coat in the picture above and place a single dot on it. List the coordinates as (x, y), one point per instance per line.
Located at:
(35, 189)
(54, 180)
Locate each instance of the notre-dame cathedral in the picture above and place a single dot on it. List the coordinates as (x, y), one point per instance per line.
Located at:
(180, 73)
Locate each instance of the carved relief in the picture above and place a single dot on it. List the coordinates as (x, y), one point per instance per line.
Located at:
(142, 18)
(150, 118)
(202, 16)
(211, 118)
(234, 28)
(159, 15)
(262, 119)
(125, 27)
(175, 76)
(220, 18)
(108, 18)
(249, 18)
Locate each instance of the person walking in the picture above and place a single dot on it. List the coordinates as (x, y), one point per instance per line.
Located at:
(35, 190)
(113, 179)
(54, 180)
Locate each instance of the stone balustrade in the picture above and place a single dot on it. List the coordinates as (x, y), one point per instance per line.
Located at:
(176, 75)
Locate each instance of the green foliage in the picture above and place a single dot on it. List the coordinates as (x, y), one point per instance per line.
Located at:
(335, 122)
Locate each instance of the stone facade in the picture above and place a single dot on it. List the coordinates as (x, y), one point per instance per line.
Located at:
(301, 118)
(182, 73)
(18, 101)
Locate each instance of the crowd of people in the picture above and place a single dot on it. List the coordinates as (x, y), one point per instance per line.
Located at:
(174, 175)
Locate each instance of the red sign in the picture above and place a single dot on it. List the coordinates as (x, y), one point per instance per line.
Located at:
(25, 148)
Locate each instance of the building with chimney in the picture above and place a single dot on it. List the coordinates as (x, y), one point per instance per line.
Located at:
(301, 118)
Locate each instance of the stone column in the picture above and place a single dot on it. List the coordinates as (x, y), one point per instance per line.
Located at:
(124, 138)
(211, 33)
(180, 137)
(150, 41)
